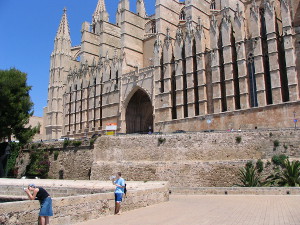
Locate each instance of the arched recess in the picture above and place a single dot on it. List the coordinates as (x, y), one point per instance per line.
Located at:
(139, 113)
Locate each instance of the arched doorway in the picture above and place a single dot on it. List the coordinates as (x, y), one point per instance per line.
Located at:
(139, 113)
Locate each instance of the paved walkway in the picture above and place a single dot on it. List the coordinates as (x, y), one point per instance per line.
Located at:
(212, 210)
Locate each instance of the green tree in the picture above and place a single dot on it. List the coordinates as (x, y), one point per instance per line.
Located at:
(16, 106)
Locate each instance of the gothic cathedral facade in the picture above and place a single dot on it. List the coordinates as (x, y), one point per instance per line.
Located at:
(193, 65)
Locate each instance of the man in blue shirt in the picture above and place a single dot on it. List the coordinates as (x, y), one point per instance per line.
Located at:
(119, 182)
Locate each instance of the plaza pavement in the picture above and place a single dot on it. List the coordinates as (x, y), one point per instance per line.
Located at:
(213, 210)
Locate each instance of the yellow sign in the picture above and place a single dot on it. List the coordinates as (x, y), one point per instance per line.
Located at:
(110, 132)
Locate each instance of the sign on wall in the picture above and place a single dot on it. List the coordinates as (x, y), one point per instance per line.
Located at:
(111, 128)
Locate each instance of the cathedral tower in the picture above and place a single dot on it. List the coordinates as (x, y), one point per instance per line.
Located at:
(59, 66)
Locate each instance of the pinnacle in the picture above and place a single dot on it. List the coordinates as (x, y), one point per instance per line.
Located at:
(100, 9)
(63, 29)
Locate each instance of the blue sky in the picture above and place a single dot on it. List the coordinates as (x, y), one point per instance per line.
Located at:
(28, 29)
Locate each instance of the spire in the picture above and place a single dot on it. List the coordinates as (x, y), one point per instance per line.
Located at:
(125, 5)
(140, 8)
(62, 42)
(63, 29)
(100, 12)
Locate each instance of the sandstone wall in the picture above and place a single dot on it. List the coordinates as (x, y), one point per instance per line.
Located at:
(191, 159)
(186, 160)
(74, 209)
(75, 163)
(271, 116)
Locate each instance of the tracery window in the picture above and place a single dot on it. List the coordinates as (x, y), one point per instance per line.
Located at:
(153, 27)
(213, 5)
(252, 81)
(182, 15)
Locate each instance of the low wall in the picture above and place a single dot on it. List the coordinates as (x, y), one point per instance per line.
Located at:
(237, 191)
(190, 159)
(74, 209)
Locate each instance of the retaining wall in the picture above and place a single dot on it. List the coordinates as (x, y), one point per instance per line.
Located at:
(74, 209)
(190, 159)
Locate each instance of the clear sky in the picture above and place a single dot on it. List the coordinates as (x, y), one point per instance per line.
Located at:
(28, 29)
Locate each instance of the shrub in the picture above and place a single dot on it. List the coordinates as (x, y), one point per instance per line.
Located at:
(77, 143)
(249, 177)
(290, 175)
(161, 140)
(56, 153)
(276, 143)
(238, 139)
(249, 164)
(66, 143)
(278, 160)
(92, 141)
(259, 165)
(39, 164)
(285, 146)
(270, 134)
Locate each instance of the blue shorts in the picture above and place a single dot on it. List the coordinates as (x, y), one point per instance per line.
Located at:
(46, 207)
(118, 197)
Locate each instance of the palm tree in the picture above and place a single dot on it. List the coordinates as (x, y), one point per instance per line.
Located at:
(290, 175)
(248, 177)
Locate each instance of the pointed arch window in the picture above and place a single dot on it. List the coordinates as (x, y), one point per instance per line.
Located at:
(213, 5)
(173, 88)
(95, 93)
(195, 78)
(81, 104)
(184, 87)
(252, 80)
(117, 77)
(182, 15)
(153, 27)
(266, 61)
(70, 102)
(162, 75)
(75, 108)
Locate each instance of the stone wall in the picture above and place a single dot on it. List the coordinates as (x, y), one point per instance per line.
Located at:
(75, 163)
(74, 209)
(186, 160)
(190, 159)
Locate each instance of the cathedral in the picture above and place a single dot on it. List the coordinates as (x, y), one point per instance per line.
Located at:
(194, 65)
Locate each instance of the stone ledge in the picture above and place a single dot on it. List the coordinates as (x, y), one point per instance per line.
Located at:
(74, 209)
(237, 191)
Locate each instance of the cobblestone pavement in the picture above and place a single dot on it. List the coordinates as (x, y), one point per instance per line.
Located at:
(212, 210)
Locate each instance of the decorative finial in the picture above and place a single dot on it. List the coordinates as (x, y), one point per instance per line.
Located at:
(65, 10)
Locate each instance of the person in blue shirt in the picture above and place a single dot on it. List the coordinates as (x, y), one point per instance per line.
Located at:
(119, 182)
